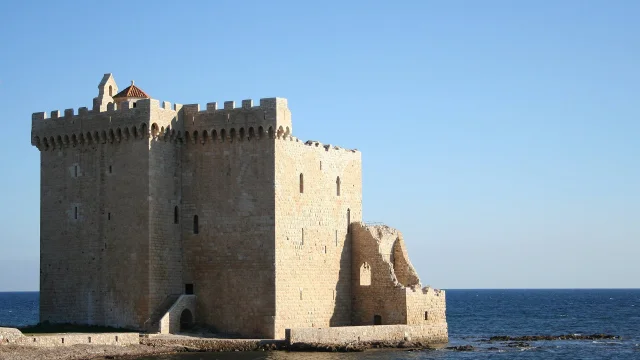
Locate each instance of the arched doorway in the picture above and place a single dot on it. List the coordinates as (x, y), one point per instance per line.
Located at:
(186, 320)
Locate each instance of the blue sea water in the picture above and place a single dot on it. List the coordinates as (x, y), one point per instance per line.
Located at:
(473, 315)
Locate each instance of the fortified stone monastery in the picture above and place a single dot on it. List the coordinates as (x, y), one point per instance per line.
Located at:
(154, 217)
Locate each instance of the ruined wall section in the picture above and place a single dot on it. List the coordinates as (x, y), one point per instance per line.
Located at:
(94, 216)
(229, 254)
(376, 290)
(313, 246)
(386, 288)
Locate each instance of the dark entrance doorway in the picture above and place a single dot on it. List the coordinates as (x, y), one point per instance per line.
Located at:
(186, 320)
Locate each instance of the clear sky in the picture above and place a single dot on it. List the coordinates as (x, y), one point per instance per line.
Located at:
(501, 137)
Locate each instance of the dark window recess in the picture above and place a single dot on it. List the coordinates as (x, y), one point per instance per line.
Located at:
(75, 171)
(176, 217)
(196, 228)
(426, 315)
(75, 215)
(377, 320)
(348, 221)
(108, 216)
(301, 183)
(188, 289)
(134, 104)
(110, 169)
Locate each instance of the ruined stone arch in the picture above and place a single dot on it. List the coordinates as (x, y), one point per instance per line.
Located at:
(365, 274)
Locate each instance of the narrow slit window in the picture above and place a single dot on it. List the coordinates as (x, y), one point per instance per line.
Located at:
(75, 171)
(176, 217)
(108, 216)
(301, 183)
(302, 237)
(110, 169)
(348, 220)
(426, 315)
(196, 228)
(336, 237)
(338, 186)
(75, 212)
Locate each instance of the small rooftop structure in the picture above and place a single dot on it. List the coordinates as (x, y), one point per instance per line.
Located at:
(132, 92)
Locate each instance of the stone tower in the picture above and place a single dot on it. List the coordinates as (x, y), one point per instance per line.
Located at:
(221, 212)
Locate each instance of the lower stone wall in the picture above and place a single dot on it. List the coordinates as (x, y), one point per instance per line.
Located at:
(433, 334)
(74, 339)
(9, 335)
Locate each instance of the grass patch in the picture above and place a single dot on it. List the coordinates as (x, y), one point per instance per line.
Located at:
(48, 328)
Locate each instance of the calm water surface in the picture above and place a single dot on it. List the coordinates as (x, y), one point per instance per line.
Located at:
(473, 315)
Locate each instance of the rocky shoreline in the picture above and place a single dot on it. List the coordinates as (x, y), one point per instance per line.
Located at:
(159, 345)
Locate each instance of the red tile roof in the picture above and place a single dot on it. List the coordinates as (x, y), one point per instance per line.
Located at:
(132, 91)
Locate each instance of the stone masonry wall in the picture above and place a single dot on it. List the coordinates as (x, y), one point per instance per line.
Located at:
(430, 333)
(313, 247)
(228, 185)
(94, 221)
(165, 193)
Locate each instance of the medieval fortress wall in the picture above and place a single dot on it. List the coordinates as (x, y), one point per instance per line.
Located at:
(142, 202)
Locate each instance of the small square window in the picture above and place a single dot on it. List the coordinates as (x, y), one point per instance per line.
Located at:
(188, 289)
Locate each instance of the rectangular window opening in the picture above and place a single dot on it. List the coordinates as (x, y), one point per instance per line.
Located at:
(75, 171)
(108, 216)
(110, 169)
(188, 289)
(75, 214)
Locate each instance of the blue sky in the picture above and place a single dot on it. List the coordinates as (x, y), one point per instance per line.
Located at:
(501, 137)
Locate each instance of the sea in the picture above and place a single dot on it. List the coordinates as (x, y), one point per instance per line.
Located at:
(473, 316)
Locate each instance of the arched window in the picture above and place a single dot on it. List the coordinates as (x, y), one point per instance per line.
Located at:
(301, 183)
(110, 90)
(176, 215)
(365, 274)
(196, 228)
(338, 186)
